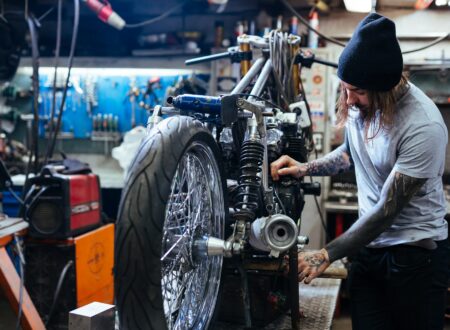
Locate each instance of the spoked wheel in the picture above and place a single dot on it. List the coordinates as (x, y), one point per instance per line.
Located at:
(173, 202)
(189, 280)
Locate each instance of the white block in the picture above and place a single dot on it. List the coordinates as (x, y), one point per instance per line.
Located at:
(94, 316)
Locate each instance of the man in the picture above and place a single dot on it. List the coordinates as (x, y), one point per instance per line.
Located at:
(396, 141)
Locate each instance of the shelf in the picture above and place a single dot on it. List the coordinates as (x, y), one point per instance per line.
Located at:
(160, 62)
(340, 207)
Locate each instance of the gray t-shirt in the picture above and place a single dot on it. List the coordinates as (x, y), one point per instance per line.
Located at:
(414, 146)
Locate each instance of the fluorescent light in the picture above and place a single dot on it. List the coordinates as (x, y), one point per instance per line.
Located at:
(359, 6)
(441, 2)
(121, 72)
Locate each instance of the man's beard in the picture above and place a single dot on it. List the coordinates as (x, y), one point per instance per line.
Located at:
(362, 109)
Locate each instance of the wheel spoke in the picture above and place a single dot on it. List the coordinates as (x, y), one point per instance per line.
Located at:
(173, 246)
(195, 208)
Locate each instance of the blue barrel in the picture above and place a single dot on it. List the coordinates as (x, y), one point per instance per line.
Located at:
(10, 205)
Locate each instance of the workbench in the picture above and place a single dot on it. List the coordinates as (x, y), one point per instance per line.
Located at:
(10, 282)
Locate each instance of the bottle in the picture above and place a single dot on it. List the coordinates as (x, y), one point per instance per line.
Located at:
(239, 29)
(252, 28)
(279, 22)
(293, 27)
(245, 26)
(313, 38)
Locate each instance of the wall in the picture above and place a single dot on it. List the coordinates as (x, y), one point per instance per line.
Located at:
(414, 29)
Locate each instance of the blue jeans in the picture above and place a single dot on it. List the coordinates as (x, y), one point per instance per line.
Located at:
(399, 287)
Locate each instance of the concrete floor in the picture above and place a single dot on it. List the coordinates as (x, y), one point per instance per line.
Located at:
(345, 323)
(8, 319)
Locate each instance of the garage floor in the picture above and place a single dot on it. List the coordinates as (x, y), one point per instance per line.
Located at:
(8, 319)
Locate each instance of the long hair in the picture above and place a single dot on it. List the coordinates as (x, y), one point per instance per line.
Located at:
(385, 101)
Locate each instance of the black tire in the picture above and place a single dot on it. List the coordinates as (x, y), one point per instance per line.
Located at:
(142, 217)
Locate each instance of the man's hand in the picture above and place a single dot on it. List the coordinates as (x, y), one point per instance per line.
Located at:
(312, 264)
(285, 165)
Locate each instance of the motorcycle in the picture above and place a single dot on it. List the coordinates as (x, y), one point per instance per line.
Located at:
(199, 190)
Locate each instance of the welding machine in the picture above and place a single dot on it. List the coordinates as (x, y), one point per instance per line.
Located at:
(59, 206)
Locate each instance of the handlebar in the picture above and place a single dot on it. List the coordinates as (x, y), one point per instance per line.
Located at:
(332, 64)
(308, 60)
(207, 58)
(233, 53)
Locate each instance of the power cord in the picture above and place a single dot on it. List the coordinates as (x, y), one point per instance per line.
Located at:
(57, 49)
(13, 194)
(434, 42)
(306, 23)
(44, 15)
(156, 19)
(35, 80)
(319, 210)
(22, 279)
(76, 21)
(322, 219)
(337, 42)
(28, 206)
(62, 276)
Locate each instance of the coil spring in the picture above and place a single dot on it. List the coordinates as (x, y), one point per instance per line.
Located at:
(252, 155)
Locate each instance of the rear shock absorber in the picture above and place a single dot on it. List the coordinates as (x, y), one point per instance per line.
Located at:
(252, 155)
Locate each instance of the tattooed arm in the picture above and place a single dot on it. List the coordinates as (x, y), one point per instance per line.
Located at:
(396, 193)
(335, 162)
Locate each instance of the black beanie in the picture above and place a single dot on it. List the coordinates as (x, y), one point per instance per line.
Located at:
(372, 59)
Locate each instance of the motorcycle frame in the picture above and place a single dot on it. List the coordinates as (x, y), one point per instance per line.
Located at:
(262, 66)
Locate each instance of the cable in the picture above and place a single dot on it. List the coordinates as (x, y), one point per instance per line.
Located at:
(156, 19)
(62, 276)
(23, 207)
(337, 42)
(2, 12)
(26, 10)
(16, 197)
(44, 15)
(279, 52)
(319, 210)
(305, 22)
(35, 80)
(71, 55)
(436, 41)
(279, 200)
(309, 137)
(322, 219)
(57, 48)
(35, 198)
(22, 279)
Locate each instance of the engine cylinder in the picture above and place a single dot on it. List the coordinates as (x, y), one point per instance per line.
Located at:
(277, 233)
